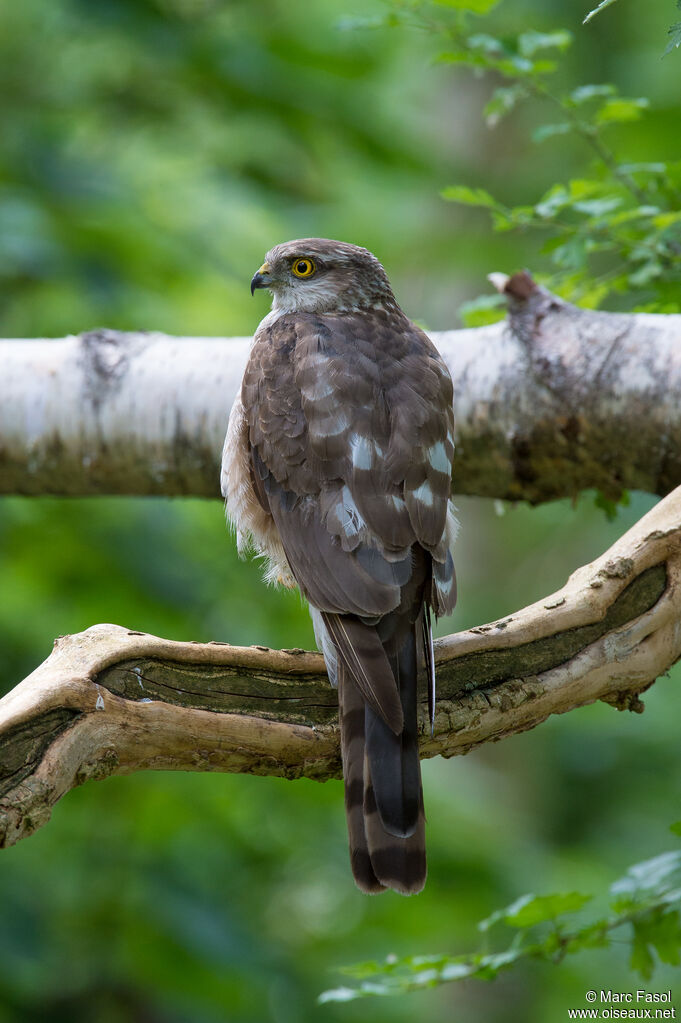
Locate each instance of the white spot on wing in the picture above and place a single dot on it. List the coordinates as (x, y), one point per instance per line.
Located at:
(325, 644)
(446, 586)
(349, 517)
(452, 527)
(437, 456)
(424, 494)
(362, 451)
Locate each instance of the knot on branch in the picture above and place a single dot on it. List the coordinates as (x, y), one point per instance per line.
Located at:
(106, 356)
(625, 701)
(528, 303)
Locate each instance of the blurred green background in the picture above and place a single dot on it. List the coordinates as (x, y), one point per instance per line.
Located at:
(151, 151)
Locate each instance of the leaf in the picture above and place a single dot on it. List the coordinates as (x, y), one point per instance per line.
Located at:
(469, 196)
(369, 968)
(519, 216)
(515, 65)
(426, 978)
(483, 310)
(501, 221)
(538, 908)
(456, 971)
(646, 273)
(502, 102)
(572, 254)
(530, 42)
(626, 215)
(649, 878)
(586, 92)
(664, 934)
(619, 110)
(601, 7)
(547, 131)
(665, 220)
(339, 994)
(488, 44)
(529, 910)
(489, 966)
(660, 931)
(582, 187)
(597, 207)
(641, 960)
(555, 200)
(559, 197)
(494, 918)
(543, 67)
(676, 828)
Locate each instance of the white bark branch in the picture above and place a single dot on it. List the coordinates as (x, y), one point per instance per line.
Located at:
(554, 400)
(111, 701)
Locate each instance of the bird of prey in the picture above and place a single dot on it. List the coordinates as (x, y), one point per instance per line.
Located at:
(337, 468)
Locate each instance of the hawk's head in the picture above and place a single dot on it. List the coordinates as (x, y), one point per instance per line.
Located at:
(323, 276)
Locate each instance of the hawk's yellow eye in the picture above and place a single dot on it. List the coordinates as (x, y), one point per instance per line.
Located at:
(303, 268)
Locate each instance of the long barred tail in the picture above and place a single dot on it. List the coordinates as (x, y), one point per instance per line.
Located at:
(382, 772)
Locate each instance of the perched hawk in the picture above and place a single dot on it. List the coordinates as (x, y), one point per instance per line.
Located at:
(337, 468)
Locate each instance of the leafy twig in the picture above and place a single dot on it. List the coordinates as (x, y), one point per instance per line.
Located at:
(646, 900)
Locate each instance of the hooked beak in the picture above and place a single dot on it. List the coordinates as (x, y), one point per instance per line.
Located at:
(261, 279)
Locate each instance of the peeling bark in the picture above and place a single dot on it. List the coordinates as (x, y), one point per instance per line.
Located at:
(551, 401)
(111, 701)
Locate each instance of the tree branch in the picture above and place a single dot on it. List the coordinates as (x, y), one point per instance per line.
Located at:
(554, 400)
(111, 701)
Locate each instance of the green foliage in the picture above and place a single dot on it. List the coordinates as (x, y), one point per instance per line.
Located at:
(614, 230)
(484, 309)
(529, 910)
(138, 186)
(644, 913)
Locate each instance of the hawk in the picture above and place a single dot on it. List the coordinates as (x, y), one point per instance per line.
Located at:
(337, 469)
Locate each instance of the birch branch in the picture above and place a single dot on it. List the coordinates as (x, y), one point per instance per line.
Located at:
(552, 401)
(111, 701)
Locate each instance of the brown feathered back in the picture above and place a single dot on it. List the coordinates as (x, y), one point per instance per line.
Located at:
(346, 413)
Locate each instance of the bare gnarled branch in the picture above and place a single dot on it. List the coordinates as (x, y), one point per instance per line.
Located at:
(111, 701)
